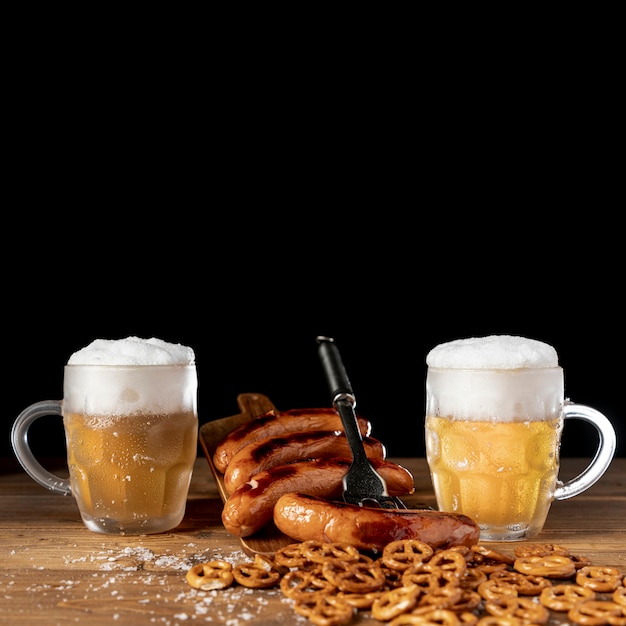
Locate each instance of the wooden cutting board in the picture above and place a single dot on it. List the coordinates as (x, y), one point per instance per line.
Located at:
(269, 539)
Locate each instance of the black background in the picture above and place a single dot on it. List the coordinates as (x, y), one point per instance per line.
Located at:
(392, 201)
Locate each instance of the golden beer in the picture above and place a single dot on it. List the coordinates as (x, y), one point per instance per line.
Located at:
(500, 473)
(131, 473)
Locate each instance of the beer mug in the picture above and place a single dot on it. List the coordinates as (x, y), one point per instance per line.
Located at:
(131, 426)
(495, 412)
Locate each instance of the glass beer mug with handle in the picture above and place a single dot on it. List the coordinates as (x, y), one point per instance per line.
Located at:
(495, 412)
(131, 425)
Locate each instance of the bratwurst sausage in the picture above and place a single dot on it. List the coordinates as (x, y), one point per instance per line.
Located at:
(304, 518)
(277, 423)
(318, 444)
(251, 505)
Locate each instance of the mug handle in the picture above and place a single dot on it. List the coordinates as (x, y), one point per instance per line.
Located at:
(603, 457)
(19, 440)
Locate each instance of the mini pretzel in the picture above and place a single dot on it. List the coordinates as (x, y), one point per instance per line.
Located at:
(319, 551)
(472, 577)
(468, 601)
(403, 553)
(494, 588)
(442, 598)
(526, 584)
(595, 613)
(291, 556)
(540, 549)
(393, 577)
(562, 598)
(429, 581)
(601, 579)
(212, 575)
(325, 610)
(259, 574)
(301, 584)
(619, 595)
(354, 577)
(550, 566)
(394, 602)
(359, 600)
(524, 609)
(493, 555)
(447, 560)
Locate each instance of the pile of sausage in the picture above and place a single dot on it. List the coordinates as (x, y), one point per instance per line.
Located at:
(288, 466)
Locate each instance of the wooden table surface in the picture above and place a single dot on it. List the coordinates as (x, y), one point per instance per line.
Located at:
(55, 571)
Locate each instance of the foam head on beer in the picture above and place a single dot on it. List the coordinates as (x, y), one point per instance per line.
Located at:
(133, 351)
(99, 376)
(493, 352)
(501, 377)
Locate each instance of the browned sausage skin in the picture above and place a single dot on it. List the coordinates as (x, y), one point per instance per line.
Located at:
(304, 517)
(251, 505)
(267, 453)
(276, 423)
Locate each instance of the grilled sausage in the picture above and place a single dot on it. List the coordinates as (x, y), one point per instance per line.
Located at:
(319, 444)
(278, 423)
(304, 517)
(251, 505)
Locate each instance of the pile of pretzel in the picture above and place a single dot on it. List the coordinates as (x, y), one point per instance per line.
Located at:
(412, 583)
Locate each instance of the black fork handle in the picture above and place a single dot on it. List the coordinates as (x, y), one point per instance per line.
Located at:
(338, 381)
(342, 395)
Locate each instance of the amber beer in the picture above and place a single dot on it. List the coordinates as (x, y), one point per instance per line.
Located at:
(495, 412)
(131, 473)
(131, 456)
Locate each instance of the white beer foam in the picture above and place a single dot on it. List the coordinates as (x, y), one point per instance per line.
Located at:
(98, 381)
(133, 351)
(493, 352)
(495, 378)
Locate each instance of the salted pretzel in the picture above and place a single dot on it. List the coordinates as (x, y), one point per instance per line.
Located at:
(601, 579)
(469, 601)
(549, 566)
(472, 577)
(525, 609)
(392, 603)
(325, 610)
(216, 574)
(448, 560)
(429, 581)
(540, 549)
(355, 577)
(301, 584)
(359, 600)
(494, 588)
(291, 556)
(526, 584)
(403, 553)
(563, 597)
(442, 598)
(259, 574)
(490, 553)
(596, 613)
(619, 595)
(319, 551)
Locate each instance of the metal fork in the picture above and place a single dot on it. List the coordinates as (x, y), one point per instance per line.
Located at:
(362, 484)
